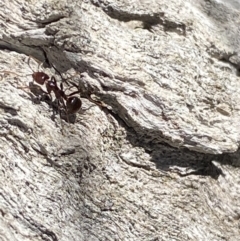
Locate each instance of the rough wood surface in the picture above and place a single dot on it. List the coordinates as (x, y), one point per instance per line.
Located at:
(159, 159)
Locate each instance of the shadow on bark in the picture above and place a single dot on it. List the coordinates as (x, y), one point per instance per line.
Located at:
(181, 160)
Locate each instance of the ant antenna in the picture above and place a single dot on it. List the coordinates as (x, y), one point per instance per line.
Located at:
(39, 63)
(56, 70)
(63, 79)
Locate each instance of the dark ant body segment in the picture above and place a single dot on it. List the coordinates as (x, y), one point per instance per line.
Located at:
(73, 104)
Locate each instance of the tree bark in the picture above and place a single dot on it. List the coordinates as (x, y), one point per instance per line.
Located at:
(153, 152)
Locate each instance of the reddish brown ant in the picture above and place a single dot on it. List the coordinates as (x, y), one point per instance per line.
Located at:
(70, 103)
(73, 103)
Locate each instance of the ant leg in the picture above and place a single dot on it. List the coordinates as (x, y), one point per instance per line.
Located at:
(74, 85)
(14, 73)
(74, 93)
(99, 103)
(63, 79)
(64, 107)
(10, 72)
(67, 80)
(59, 110)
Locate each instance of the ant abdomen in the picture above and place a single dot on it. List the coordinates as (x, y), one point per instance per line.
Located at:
(73, 104)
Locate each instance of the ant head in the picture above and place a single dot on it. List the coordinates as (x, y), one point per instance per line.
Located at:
(40, 77)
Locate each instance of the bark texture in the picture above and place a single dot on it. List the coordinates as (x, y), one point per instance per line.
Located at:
(159, 159)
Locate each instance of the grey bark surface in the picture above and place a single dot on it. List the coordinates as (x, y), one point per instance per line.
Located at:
(159, 159)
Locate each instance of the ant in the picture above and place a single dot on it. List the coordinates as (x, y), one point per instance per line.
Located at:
(73, 103)
(70, 102)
